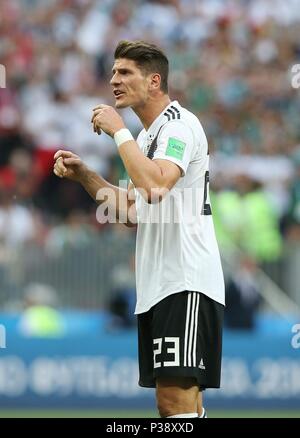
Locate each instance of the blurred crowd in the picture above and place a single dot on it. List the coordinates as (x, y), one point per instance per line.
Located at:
(230, 63)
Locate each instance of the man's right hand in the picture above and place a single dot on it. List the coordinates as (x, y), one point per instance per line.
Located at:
(69, 165)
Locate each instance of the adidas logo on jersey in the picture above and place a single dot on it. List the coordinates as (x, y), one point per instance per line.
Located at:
(201, 365)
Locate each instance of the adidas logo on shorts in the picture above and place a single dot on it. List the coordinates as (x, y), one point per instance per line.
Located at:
(201, 365)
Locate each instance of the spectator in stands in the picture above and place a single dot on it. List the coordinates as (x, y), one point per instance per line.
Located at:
(122, 298)
(75, 233)
(40, 318)
(242, 296)
(245, 211)
(292, 219)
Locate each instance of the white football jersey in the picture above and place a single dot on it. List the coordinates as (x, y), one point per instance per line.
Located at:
(176, 248)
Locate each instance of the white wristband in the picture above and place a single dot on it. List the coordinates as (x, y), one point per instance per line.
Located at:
(122, 136)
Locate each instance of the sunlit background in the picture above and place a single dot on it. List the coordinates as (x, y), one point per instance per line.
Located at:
(67, 289)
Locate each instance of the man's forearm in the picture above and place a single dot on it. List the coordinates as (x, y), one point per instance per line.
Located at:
(144, 173)
(101, 190)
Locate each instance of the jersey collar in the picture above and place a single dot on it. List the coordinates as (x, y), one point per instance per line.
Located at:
(161, 118)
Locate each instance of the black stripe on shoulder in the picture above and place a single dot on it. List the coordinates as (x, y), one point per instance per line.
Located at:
(177, 111)
(172, 113)
(167, 115)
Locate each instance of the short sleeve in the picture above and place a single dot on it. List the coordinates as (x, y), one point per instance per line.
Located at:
(175, 143)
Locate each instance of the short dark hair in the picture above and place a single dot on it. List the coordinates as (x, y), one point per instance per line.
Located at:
(148, 57)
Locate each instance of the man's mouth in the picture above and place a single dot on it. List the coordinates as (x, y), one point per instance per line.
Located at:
(118, 93)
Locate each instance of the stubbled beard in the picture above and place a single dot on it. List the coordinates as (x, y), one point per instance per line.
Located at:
(121, 105)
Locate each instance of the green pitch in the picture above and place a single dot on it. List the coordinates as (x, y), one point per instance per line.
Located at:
(141, 414)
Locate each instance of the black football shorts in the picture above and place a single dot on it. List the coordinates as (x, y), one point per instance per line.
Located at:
(181, 336)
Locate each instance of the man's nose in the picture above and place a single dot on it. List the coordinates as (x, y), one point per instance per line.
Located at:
(115, 80)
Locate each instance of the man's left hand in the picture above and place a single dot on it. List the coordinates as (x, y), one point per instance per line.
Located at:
(105, 118)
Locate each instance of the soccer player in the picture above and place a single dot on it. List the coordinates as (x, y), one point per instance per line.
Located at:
(180, 287)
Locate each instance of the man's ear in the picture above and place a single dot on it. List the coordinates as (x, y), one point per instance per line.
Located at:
(155, 81)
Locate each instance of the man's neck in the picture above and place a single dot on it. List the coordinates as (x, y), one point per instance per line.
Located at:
(150, 111)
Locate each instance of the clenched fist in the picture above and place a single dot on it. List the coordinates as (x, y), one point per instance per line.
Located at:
(69, 165)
